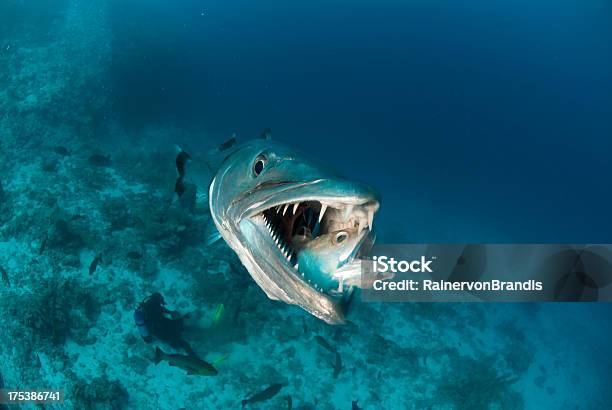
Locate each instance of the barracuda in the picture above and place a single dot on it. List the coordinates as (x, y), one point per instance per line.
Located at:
(269, 202)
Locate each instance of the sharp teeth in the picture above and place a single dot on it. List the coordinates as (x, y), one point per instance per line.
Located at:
(278, 208)
(295, 207)
(285, 209)
(296, 266)
(323, 209)
(347, 213)
(370, 219)
(362, 224)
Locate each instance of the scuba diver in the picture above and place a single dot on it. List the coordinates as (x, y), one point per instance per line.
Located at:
(153, 319)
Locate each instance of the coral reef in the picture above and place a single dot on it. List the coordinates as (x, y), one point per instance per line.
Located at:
(99, 394)
(52, 310)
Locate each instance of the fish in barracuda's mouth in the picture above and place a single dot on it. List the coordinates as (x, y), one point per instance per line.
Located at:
(297, 227)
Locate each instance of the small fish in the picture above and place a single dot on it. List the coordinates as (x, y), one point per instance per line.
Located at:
(191, 364)
(325, 344)
(216, 317)
(60, 150)
(100, 160)
(237, 312)
(181, 161)
(77, 217)
(181, 166)
(134, 255)
(43, 244)
(5, 277)
(337, 365)
(228, 144)
(94, 264)
(263, 395)
(355, 406)
(304, 325)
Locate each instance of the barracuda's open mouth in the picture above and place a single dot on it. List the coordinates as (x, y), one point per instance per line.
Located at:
(298, 227)
(293, 227)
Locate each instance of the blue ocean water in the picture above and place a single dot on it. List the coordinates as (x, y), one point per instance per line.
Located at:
(476, 121)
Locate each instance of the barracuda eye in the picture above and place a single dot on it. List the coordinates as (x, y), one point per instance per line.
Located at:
(259, 164)
(340, 237)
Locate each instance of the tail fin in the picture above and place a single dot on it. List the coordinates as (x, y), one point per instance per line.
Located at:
(244, 403)
(159, 355)
(220, 360)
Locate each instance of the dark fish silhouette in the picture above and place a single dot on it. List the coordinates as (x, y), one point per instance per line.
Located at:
(100, 160)
(134, 255)
(191, 364)
(228, 144)
(5, 277)
(43, 245)
(263, 395)
(60, 150)
(181, 166)
(325, 344)
(179, 187)
(181, 162)
(337, 365)
(94, 264)
(355, 406)
(289, 402)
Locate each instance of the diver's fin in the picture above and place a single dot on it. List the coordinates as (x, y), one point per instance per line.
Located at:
(266, 134)
(159, 355)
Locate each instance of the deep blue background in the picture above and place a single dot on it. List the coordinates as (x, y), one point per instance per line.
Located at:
(477, 121)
